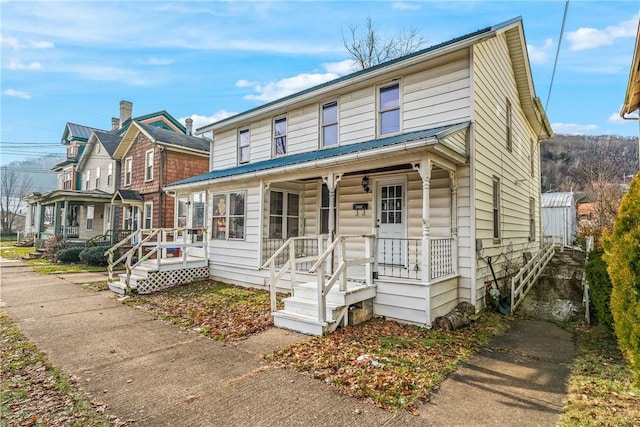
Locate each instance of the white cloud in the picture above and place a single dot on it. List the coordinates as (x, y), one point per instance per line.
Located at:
(403, 5)
(17, 93)
(539, 55)
(615, 119)
(592, 38)
(343, 67)
(201, 121)
(156, 61)
(271, 91)
(110, 74)
(15, 44)
(16, 65)
(573, 128)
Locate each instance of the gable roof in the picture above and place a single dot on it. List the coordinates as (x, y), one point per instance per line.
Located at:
(518, 51)
(161, 136)
(343, 152)
(108, 140)
(145, 118)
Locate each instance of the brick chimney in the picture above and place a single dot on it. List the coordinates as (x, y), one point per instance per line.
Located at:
(126, 109)
(189, 122)
(115, 123)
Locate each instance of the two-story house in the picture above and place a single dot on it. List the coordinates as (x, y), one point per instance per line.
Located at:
(412, 180)
(89, 201)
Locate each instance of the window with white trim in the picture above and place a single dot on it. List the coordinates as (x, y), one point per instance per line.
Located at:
(284, 214)
(98, 177)
(389, 109)
(244, 140)
(148, 215)
(532, 219)
(148, 165)
(87, 179)
(183, 204)
(128, 163)
(496, 208)
(110, 174)
(229, 216)
(329, 125)
(324, 211)
(280, 136)
(90, 213)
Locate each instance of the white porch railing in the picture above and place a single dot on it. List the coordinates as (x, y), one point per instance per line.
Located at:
(339, 245)
(521, 283)
(153, 245)
(402, 258)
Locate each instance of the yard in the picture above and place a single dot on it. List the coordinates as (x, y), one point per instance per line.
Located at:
(391, 365)
(43, 266)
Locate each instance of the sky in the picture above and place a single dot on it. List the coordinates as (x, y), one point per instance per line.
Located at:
(64, 61)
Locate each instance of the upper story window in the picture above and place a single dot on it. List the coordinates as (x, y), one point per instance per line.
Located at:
(87, 179)
(280, 136)
(389, 109)
(148, 165)
(128, 164)
(67, 182)
(244, 139)
(509, 129)
(330, 124)
(110, 174)
(98, 177)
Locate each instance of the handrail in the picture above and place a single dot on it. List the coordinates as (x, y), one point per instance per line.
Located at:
(529, 274)
(156, 248)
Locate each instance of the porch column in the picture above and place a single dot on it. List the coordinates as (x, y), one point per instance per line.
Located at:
(56, 217)
(39, 220)
(65, 220)
(454, 220)
(332, 180)
(424, 169)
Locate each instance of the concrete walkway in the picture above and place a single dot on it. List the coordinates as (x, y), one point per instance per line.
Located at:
(156, 374)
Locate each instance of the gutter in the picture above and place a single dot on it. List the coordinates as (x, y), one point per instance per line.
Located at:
(319, 163)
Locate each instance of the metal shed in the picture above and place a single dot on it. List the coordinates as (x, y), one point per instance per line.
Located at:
(559, 217)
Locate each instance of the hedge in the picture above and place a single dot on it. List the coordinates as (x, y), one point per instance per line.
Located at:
(94, 255)
(622, 254)
(69, 254)
(599, 288)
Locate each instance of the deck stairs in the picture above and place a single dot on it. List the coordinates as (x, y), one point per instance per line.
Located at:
(319, 307)
(300, 311)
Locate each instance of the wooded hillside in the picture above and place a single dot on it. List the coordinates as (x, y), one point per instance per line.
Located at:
(571, 162)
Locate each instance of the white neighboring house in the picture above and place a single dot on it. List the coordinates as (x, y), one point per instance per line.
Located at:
(420, 169)
(559, 217)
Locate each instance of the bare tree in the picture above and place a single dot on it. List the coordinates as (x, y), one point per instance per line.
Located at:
(13, 187)
(373, 48)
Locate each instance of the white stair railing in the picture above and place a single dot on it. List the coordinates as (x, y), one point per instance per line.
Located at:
(339, 245)
(521, 283)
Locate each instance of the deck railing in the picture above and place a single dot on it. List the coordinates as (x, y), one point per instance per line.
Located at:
(69, 230)
(304, 246)
(521, 283)
(402, 258)
(153, 245)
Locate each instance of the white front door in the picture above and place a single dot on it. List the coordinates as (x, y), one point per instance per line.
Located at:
(391, 222)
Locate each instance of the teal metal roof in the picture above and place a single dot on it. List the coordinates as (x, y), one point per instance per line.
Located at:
(326, 153)
(75, 132)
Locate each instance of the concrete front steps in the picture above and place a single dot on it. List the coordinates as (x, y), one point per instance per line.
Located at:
(149, 277)
(300, 312)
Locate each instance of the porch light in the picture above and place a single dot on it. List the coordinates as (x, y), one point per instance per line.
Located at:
(365, 184)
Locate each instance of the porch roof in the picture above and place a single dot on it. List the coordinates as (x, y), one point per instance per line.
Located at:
(67, 195)
(428, 136)
(127, 196)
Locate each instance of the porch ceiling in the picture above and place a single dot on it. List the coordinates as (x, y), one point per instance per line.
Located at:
(344, 155)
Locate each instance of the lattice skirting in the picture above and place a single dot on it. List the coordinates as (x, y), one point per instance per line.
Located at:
(166, 279)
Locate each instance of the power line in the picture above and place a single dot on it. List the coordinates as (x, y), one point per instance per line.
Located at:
(555, 62)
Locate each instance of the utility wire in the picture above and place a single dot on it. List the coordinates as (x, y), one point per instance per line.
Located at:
(555, 63)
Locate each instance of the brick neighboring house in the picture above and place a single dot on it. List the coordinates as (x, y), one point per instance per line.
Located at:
(150, 158)
(89, 198)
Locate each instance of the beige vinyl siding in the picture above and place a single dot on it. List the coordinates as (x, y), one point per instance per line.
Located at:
(357, 116)
(494, 85)
(98, 220)
(102, 161)
(303, 130)
(466, 242)
(225, 149)
(437, 96)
